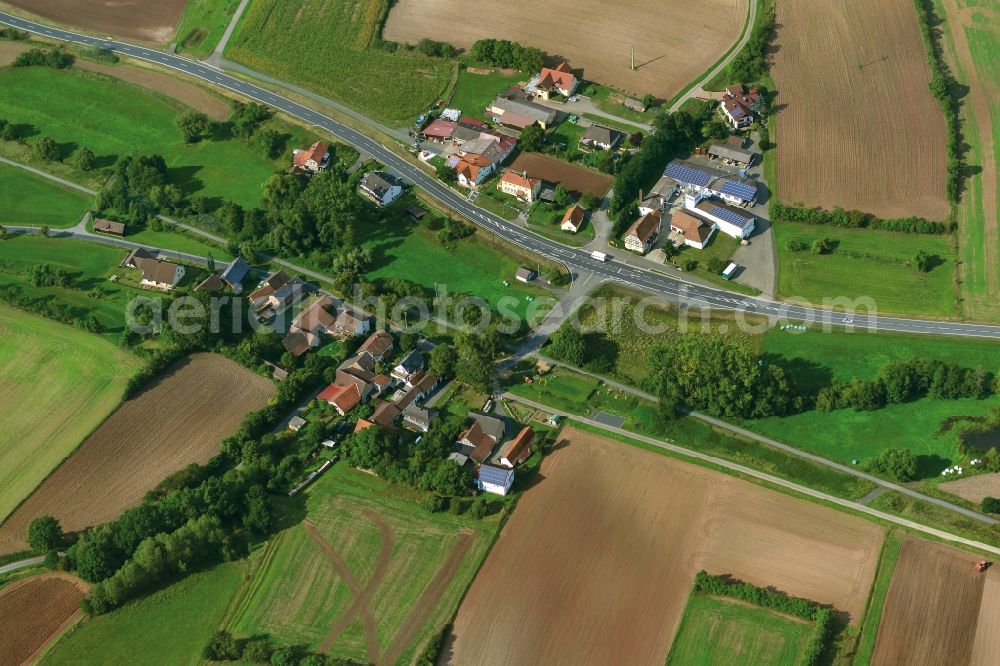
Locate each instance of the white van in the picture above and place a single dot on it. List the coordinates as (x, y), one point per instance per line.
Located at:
(599, 256)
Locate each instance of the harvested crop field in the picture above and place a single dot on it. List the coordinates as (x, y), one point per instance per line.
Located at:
(35, 610)
(852, 83)
(573, 178)
(671, 49)
(657, 522)
(144, 20)
(974, 488)
(177, 420)
(986, 645)
(931, 611)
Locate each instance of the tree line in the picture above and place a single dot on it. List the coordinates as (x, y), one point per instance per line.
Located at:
(855, 219)
(508, 54)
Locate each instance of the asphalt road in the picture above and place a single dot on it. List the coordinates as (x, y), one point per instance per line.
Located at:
(578, 261)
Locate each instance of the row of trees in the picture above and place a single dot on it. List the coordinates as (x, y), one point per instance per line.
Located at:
(56, 58)
(855, 219)
(508, 54)
(225, 647)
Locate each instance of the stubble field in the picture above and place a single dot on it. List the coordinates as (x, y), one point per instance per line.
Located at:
(179, 419)
(658, 522)
(144, 20)
(33, 611)
(857, 126)
(675, 41)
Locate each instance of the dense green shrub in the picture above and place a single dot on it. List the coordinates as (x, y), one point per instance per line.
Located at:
(990, 505)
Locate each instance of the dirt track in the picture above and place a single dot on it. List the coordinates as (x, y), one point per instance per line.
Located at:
(144, 20)
(675, 40)
(35, 610)
(179, 419)
(857, 126)
(573, 178)
(596, 563)
(930, 612)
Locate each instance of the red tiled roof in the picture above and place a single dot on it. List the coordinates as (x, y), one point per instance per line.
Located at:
(439, 129)
(517, 449)
(385, 414)
(345, 398)
(377, 344)
(315, 152)
(574, 214)
(560, 77)
(481, 442)
(363, 424)
(645, 226)
(692, 227)
(519, 180)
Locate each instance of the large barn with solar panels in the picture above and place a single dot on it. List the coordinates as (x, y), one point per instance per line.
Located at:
(731, 221)
(698, 179)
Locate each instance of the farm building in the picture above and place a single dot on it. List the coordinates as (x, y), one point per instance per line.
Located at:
(514, 109)
(234, 274)
(212, 283)
(343, 398)
(740, 105)
(736, 156)
(690, 229)
(572, 219)
(525, 274)
(482, 436)
(559, 80)
(380, 188)
(599, 136)
(731, 221)
(313, 159)
(496, 480)
(439, 130)
(517, 450)
(108, 227)
(643, 233)
(467, 129)
(308, 327)
(520, 185)
(705, 180)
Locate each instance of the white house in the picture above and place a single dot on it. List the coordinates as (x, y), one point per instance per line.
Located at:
(573, 219)
(641, 236)
(735, 222)
(739, 105)
(559, 79)
(496, 480)
(520, 186)
(599, 136)
(381, 188)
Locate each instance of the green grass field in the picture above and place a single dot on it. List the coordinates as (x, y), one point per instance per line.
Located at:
(202, 24)
(59, 383)
(474, 91)
(867, 263)
(177, 240)
(468, 266)
(167, 627)
(343, 59)
(114, 118)
(30, 200)
(720, 632)
(876, 599)
(297, 598)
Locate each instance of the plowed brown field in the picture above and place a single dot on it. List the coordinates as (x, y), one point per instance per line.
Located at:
(974, 488)
(932, 607)
(35, 610)
(986, 647)
(179, 419)
(145, 20)
(857, 126)
(596, 563)
(675, 40)
(573, 178)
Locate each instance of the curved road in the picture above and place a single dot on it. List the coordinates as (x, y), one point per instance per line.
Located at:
(577, 260)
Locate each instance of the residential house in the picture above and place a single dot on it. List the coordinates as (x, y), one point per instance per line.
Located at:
(276, 293)
(520, 185)
(735, 156)
(310, 325)
(343, 398)
(482, 436)
(212, 283)
(380, 187)
(234, 274)
(132, 258)
(695, 231)
(362, 424)
(740, 105)
(408, 366)
(643, 233)
(599, 136)
(349, 324)
(517, 450)
(385, 415)
(419, 418)
(159, 274)
(481, 157)
(559, 80)
(313, 159)
(525, 274)
(377, 345)
(513, 108)
(359, 363)
(357, 378)
(420, 387)
(496, 480)
(573, 218)
(697, 179)
(381, 382)
(735, 222)
(439, 130)
(108, 227)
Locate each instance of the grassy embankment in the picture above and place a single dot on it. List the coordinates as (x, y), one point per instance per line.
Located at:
(202, 24)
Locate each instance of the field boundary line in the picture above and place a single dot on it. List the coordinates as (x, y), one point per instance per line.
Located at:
(763, 476)
(238, 603)
(44, 174)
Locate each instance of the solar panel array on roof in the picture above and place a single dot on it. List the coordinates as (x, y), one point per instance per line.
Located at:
(495, 475)
(731, 216)
(735, 188)
(687, 174)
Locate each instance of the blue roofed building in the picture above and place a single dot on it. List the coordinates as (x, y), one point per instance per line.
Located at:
(704, 180)
(735, 222)
(496, 480)
(234, 273)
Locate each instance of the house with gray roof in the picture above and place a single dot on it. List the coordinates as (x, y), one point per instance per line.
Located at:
(380, 188)
(420, 418)
(234, 273)
(599, 136)
(731, 155)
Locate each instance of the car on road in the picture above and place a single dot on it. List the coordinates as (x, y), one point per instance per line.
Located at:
(847, 320)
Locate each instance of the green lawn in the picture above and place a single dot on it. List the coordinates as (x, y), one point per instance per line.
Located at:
(601, 98)
(561, 388)
(866, 263)
(720, 246)
(114, 118)
(167, 627)
(876, 599)
(342, 38)
(30, 200)
(468, 266)
(545, 219)
(719, 632)
(202, 24)
(177, 240)
(297, 598)
(60, 383)
(474, 92)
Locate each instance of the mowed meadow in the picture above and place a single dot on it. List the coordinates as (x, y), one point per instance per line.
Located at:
(334, 48)
(857, 126)
(59, 383)
(30, 200)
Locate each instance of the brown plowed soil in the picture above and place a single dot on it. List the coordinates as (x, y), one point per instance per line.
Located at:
(143, 20)
(596, 563)
(986, 647)
(573, 178)
(35, 610)
(179, 419)
(857, 126)
(931, 610)
(675, 40)
(974, 488)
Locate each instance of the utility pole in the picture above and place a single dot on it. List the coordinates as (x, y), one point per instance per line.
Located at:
(633, 57)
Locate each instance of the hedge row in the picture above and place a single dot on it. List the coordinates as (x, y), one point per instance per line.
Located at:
(855, 219)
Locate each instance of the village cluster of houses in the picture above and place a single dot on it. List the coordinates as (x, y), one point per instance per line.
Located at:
(379, 187)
